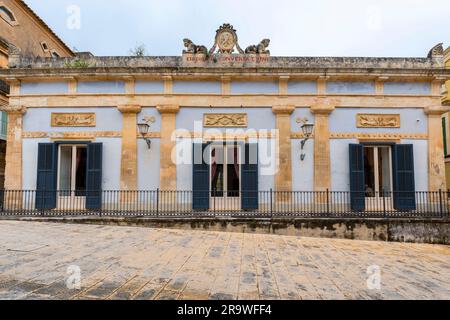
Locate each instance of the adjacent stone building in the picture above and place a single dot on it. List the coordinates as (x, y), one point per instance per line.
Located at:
(22, 32)
(446, 119)
(226, 123)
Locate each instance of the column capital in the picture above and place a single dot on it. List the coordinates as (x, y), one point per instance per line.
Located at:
(323, 106)
(129, 108)
(14, 109)
(435, 110)
(168, 108)
(283, 109)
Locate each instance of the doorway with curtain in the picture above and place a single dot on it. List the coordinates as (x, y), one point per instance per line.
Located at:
(225, 177)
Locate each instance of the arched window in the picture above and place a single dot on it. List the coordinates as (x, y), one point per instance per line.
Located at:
(7, 15)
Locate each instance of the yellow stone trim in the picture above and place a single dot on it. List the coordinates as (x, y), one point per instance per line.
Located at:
(168, 85)
(283, 178)
(436, 162)
(436, 110)
(286, 110)
(225, 120)
(129, 86)
(224, 135)
(168, 169)
(128, 166)
(73, 119)
(14, 109)
(129, 108)
(13, 168)
(71, 135)
(167, 109)
(232, 101)
(372, 120)
(283, 85)
(378, 136)
(226, 85)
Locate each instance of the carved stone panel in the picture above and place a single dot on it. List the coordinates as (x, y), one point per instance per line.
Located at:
(225, 120)
(378, 120)
(73, 120)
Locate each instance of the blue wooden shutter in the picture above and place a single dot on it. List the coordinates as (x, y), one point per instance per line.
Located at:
(94, 176)
(403, 176)
(200, 178)
(46, 176)
(357, 187)
(249, 185)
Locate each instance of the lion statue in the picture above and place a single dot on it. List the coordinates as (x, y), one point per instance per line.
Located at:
(261, 48)
(193, 48)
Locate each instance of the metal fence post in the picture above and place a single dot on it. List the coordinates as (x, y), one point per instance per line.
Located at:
(271, 203)
(328, 202)
(384, 203)
(441, 209)
(157, 202)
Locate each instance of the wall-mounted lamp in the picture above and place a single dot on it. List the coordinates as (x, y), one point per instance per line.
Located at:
(307, 129)
(144, 127)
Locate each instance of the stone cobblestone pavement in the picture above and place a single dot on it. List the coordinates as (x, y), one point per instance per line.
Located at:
(143, 263)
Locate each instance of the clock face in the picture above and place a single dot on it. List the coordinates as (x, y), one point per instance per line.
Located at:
(226, 41)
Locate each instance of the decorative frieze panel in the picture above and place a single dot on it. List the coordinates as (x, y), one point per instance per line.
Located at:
(378, 120)
(71, 135)
(225, 120)
(73, 120)
(378, 136)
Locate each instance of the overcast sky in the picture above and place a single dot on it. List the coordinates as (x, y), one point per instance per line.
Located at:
(295, 27)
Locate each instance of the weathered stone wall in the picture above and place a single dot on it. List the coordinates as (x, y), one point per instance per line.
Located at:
(28, 31)
(433, 231)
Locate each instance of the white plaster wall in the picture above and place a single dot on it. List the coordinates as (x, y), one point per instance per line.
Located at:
(300, 112)
(29, 162)
(44, 87)
(340, 167)
(407, 88)
(263, 87)
(111, 162)
(299, 87)
(148, 165)
(344, 120)
(210, 87)
(101, 87)
(39, 119)
(350, 87)
(302, 171)
(150, 112)
(420, 163)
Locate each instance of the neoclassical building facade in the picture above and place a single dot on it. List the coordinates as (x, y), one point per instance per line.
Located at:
(225, 123)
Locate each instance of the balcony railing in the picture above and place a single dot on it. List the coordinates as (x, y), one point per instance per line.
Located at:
(260, 204)
(4, 87)
(3, 125)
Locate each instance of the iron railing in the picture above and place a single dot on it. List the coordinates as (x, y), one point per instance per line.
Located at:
(4, 87)
(3, 125)
(264, 204)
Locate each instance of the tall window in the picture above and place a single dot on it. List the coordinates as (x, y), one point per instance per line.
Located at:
(72, 170)
(378, 170)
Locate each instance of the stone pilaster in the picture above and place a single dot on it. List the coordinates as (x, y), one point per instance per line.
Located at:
(436, 160)
(283, 178)
(322, 169)
(13, 169)
(226, 85)
(168, 169)
(128, 168)
(283, 85)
